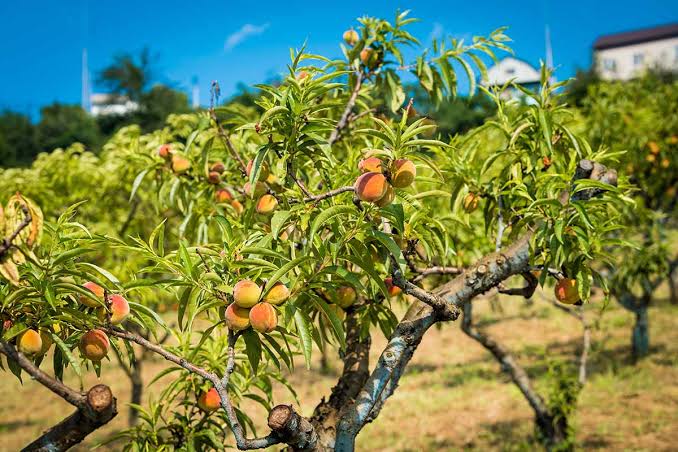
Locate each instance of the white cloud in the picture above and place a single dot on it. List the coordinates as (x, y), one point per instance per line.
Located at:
(436, 32)
(245, 32)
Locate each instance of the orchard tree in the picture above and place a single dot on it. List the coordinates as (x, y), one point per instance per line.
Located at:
(312, 223)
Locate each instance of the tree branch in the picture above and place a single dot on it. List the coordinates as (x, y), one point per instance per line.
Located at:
(424, 272)
(527, 291)
(7, 242)
(343, 120)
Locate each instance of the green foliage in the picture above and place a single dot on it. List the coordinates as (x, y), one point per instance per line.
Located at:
(18, 139)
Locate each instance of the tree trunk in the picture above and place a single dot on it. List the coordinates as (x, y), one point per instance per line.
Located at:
(673, 291)
(641, 338)
(137, 391)
(552, 431)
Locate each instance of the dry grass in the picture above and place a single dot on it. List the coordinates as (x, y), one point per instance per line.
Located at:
(454, 396)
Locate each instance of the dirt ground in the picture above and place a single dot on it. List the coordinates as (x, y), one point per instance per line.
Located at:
(454, 395)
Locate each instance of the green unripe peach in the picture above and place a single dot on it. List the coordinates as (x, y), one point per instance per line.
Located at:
(470, 202)
(263, 317)
(351, 37)
(237, 318)
(345, 297)
(277, 295)
(94, 345)
(387, 198)
(403, 173)
(30, 343)
(246, 293)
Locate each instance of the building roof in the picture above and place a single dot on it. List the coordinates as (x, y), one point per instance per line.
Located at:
(511, 69)
(636, 36)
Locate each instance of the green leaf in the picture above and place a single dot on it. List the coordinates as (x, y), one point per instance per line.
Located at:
(325, 216)
(275, 277)
(252, 348)
(335, 322)
(137, 183)
(75, 363)
(305, 331)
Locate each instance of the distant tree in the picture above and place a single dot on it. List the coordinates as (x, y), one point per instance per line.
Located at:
(578, 88)
(18, 141)
(62, 125)
(127, 77)
(456, 115)
(156, 104)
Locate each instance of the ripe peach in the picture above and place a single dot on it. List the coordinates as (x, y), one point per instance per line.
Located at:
(246, 293)
(546, 161)
(237, 206)
(223, 195)
(98, 292)
(209, 401)
(370, 165)
(218, 167)
(164, 151)
(393, 290)
(351, 37)
(654, 147)
(237, 318)
(566, 291)
(666, 163)
(346, 296)
(370, 58)
(263, 172)
(259, 189)
(277, 295)
(403, 173)
(470, 202)
(119, 309)
(267, 204)
(213, 177)
(263, 317)
(7, 324)
(387, 198)
(180, 164)
(29, 343)
(94, 345)
(370, 186)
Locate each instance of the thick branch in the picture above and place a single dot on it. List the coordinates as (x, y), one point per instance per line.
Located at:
(424, 272)
(527, 291)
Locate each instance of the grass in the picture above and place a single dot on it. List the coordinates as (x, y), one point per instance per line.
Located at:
(454, 395)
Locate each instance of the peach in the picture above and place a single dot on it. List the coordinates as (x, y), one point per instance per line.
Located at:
(29, 343)
(209, 401)
(277, 295)
(94, 345)
(566, 291)
(223, 195)
(263, 317)
(246, 293)
(259, 189)
(119, 309)
(237, 206)
(470, 202)
(370, 186)
(7, 324)
(346, 296)
(263, 172)
(654, 147)
(302, 76)
(370, 57)
(387, 198)
(393, 290)
(351, 37)
(237, 318)
(164, 151)
(370, 165)
(98, 292)
(180, 164)
(218, 167)
(338, 311)
(403, 173)
(213, 177)
(267, 204)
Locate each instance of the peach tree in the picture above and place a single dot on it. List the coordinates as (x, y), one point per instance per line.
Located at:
(313, 225)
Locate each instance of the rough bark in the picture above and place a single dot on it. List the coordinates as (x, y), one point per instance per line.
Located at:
(640, 337)
(99, 408)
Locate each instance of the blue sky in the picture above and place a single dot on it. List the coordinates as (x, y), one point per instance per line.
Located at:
(248, 41)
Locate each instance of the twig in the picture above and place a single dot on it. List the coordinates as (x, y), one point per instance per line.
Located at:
(328, 194)
(292, 174)
(7, 243)
(343, 120)
(424, 272)
(130, 216)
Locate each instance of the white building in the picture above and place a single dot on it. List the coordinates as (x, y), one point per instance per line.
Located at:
(102, 104)
(623, 56)
(516, 70)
